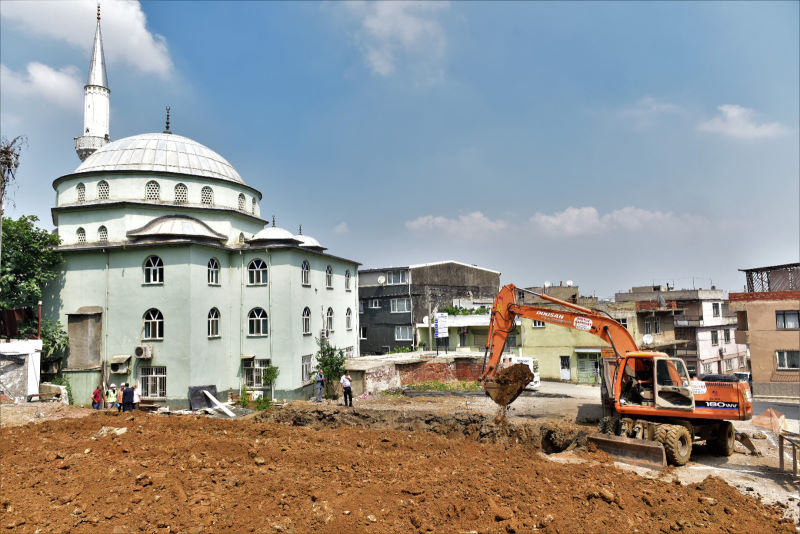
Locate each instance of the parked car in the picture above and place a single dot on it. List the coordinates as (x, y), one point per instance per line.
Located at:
(744, 376)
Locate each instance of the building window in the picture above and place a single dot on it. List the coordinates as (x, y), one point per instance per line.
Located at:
(152, 191)
(403, 333)
(257, 272)
(102, 190)
(347, 279)
(623, 321)
(349, 352)
(257, 322)
(706, 368)
(656, 326)
(254, 372)
(213, 272)
(153, 382)
(329, 320)
(153, 324)
(304, 269)
(305, 369)
(787, 320)
(400, 305)
(81, 192)
(181, 194)
(362, 332)
(727, 335)
(306, 321)
(396, 277)
(729, 364)
(241, 202)
(329, 277)
(153, 270)
(81, 234)
(213, 323)
(375, 303)
(538, 324)
(253, 206)
(207, 196)
(788, 359)
(715, 309)
(714, 338)
(102, 234)
(348, 319)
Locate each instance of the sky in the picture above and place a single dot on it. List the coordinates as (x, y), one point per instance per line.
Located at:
(612, 144)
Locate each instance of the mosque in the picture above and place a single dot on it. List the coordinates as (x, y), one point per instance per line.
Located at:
(171, 278)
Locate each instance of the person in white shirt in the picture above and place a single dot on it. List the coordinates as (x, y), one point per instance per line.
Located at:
(136, 397)
(348, 392)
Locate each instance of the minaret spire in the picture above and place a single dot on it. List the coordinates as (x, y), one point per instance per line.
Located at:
(96, 101)
(166, 130)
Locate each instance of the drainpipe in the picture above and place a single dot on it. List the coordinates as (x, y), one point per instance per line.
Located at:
(242, 325)
(269, 314)
(39, 334)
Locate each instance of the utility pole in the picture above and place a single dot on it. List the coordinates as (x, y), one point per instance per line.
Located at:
(430, 319)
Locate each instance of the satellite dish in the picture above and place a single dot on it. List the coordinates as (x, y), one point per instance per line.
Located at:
(381, 279)
(647, 339)
(569, 283)
(547, 283)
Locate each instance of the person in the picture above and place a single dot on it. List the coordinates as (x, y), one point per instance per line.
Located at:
(136, 398)
(127, 398)
(96, 398)
(119, 396)
(346, 389)
(111, 396)
(320, 385)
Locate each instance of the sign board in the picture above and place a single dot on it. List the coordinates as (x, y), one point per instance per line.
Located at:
(440, 324)
(582, 323)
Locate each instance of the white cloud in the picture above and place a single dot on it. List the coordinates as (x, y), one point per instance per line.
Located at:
(469, 226)
(392, 32)
(647, 110)
(341, 228)
(124, 25)
(737, 121)
(588, 221)
(62, 87)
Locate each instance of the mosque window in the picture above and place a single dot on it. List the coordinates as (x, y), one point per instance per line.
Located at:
(152, 191)
(213, 272)
(153, 381)
(213, 323)
(306, 320)
(81, 192)
(102, 190)
(347, 279)
(241, 202)
(329, 277)
(81, 233)
(207, 195)
(329, 320)
(102, 234)
(253, 206)
(181, 194)
(241, 238)
(348, 319)
(153, 324)
(257, 322)
(257, 272)
(304, 269)
(153, 270)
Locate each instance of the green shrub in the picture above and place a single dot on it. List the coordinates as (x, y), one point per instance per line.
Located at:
(456, 385)
(263, 403)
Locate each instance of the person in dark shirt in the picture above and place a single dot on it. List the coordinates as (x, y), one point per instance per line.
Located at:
(127, 398)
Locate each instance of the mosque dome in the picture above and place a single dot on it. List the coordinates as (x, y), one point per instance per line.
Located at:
(309, 242)
(160, 152)
(274, 235)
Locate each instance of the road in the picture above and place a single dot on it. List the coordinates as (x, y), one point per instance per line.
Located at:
(790, 409)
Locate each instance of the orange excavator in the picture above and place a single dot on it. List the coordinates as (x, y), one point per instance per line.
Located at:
(652, 410)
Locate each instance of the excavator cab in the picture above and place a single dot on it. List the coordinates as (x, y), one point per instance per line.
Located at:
(672, 388)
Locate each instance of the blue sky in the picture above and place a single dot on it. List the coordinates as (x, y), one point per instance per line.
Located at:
(613, 144)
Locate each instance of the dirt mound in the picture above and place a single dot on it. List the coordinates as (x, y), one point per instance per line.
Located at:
(508, 383)
(198, 474)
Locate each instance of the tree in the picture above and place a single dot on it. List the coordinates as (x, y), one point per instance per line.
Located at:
(9, 163)
(28, 261)
(331, 361)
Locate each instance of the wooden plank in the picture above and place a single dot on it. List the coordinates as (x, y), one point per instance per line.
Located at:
(219, 405)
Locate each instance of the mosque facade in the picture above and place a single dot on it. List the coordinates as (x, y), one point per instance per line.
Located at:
(171, 277)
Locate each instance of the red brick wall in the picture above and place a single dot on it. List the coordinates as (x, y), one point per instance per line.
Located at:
(764, 295)
(439, 371)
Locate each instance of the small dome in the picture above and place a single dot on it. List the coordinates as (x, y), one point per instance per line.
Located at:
(309, 242)
(160, 152)
(176, 226)
(275, 234)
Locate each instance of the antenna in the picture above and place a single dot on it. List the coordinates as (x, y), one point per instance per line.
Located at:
(273, 221)
(166, 131)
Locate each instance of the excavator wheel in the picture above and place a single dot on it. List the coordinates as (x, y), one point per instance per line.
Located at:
(677, 444)
(661, 433)
(726, 439)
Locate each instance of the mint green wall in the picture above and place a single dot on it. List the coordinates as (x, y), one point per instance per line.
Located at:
(82, 384)
(550, 342)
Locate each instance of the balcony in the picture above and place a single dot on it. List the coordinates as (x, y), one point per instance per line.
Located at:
(742, 337)
(699, 320)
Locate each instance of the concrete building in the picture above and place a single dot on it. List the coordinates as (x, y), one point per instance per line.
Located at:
(170, 278)
(769, 323)
(468, 333)
(393, 299)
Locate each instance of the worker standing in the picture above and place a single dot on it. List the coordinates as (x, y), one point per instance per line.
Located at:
(111, 396)
(320, 385)
(97, 398)
(346, 388)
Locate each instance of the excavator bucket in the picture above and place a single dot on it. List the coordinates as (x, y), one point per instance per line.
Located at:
(508, 383)
(641, 452)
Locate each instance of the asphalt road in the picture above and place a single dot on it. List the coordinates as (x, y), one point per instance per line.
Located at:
(790, 409)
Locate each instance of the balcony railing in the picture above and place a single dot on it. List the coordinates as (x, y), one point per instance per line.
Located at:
(699, 320)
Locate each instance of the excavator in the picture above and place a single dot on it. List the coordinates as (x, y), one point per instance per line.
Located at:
(652, 411)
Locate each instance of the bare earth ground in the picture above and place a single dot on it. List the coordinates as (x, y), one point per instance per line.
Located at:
(387, 465)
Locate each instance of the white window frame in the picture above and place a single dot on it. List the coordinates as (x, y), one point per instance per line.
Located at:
(207, 196)
(254, 372)
(153, 328)
(623, 321)
(348, 319)
(395, 278)
(329, 320)
(656, 326)
(305, 268)
(213, 323)
(213, 272)
(153, 270)
(395, 305)
(80, 234)
(648, 326)
(374, 304)
(103, 190)
(715, 309)
(714, 338)
(306, 322)
(155, 188)
(360, 306)
(537, 324)
(706, 368)
(181, 194)
(329, 277)
(153, 378)
(782, 360)
(362, 332)
(347, 280)
(306, 367)
(257, 273)
(400, 330)
(257, 323)
(726, 335)
(102, 234)
(81, 188)
(780, 319)
(242, 204)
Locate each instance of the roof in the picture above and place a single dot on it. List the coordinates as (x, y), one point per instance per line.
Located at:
(771, 267)
(454, 321)
(307, 241)
(177, 226)
(378, 269)
(97, 65)
(275, 233)
(160, 152)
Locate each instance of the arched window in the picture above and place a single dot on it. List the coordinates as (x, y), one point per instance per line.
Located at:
(347, 279)
(153, 270)
(102, 190)
(348, 319)
(241, 202)
(304, 269)
(181, 194)
(81, 192)
(253, 206)
(257, 322)
(102, 234)
(152, 191)
(213, 323)
(306, 321)
(81, 233)
(257, 272)
(213, 272)
(153, 324)
(329, 320)
(207, 195)
(329, 276)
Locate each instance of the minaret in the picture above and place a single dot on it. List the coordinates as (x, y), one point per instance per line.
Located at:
(96, 101)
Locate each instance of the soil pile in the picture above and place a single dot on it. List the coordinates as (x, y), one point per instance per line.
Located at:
(508, 383)
(198, 474)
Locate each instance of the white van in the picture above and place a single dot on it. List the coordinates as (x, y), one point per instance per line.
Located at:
(533, 365)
